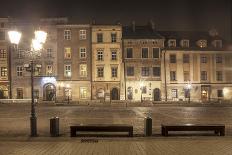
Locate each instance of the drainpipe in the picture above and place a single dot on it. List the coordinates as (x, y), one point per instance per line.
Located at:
(165, 77)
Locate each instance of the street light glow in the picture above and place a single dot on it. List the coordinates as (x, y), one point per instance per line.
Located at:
(14, 37)
(41, 36)
(36, 45)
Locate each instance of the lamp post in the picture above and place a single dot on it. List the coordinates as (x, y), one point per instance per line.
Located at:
(189, 86)
(40, 38)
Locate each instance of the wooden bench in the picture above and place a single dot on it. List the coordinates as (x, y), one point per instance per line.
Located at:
(217, 128)
(101, 128)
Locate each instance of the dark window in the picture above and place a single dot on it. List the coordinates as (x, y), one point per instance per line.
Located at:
(156, 71)
(114, 71)
(220, 93)
(219, 76)
(129, 53)
(172, 75)
(145, 71)
(156, 53)
(99, 37)
(203, 75)
(49, 52)
(2, 35)
(130, 71)
(203, 59)
(100, 71)
(218, 59)
(185, 58)
(144, 52)
(172, 58)
(113, 37)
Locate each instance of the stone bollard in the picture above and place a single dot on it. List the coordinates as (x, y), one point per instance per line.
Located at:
(148, 126)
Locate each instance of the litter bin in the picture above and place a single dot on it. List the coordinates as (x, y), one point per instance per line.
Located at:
(148, 126)
(54, 126)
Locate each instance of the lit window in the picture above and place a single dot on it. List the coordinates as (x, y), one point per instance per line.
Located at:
(82, 34)
(172, 43)
(114, 71)
(67, 34)
(100, 72)
(99, 37)
(114, 55)
(100, 55)
(145, 71)
(83, 70)
(3, 71)
(67, 71)
(113, 37)
(144, 52)
(83, 92)
(2, 53)
(67, 53)
(82, 52)
(19, 70)
(49, 70)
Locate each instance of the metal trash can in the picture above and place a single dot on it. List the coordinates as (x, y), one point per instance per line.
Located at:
(148, 126)
(54, 126)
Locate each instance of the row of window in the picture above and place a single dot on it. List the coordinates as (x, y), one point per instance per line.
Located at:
(144, 53)
(3, 72)
(68, 70)
(21, 53)
(200, 43)
(174, 93)
(204, 77)
(114, 72)
(100, 55)
(48, 71)
(204, 59)
(100, 37)
(145, 71)
(68, 34)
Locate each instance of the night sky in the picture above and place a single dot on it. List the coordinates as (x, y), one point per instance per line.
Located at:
(167, 14)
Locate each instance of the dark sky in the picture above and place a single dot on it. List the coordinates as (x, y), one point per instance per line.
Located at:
(167, 14)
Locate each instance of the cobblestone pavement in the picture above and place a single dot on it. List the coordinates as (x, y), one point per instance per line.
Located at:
(133, 146)
(14, 119)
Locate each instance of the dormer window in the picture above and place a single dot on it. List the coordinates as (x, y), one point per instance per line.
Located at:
(217, 43)
(185, 43)
(202, 43)
(172, 43)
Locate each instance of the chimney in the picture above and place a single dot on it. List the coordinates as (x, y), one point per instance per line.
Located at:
(152, 24)
(133, 26)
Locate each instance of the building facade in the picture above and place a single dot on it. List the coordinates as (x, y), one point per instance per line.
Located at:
(4, 60)
(142, 62)
(45, 63)
(74, 62)
(107, 68)
(195, 66)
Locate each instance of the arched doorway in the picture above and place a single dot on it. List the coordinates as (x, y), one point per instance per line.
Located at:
(156, 93)
(114, 94)
(49, 92)
(130, 93)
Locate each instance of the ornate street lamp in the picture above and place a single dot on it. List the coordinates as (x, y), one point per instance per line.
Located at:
(36, 45)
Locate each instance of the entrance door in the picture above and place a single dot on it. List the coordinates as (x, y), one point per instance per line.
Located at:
(114, 94)
(156, 94)
(205, 93)
(50, 92)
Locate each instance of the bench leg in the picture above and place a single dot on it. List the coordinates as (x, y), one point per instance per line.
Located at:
(73, 133)
(130, 133)
(164, 131)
